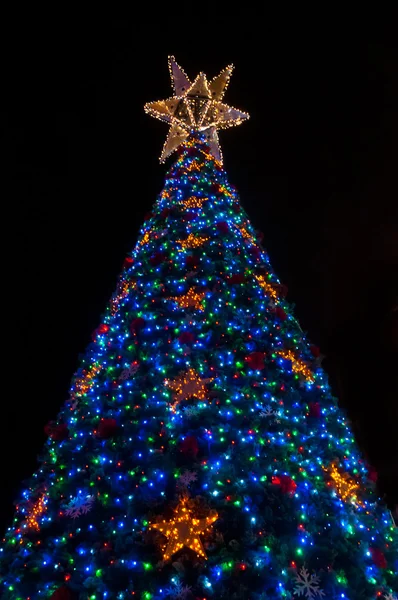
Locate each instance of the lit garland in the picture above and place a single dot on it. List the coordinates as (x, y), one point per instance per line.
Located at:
(193, 202)
(184, 530)
(346, 487)
(298, 366)
(191, 299)
(122, 292)
(187, 385)
(266, 286)
(36, 511)
(86, 381)
(193, 241)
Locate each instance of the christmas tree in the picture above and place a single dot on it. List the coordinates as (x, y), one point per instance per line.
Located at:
(200, 454)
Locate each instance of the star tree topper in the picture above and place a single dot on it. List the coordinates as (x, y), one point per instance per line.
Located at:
(195, 106)
(184, 530)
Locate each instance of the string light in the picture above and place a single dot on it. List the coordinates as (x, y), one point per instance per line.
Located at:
(193, 202)
(266, 286)
(191, 299)
(193, 241)
(298, 365)
(196, 106)
(187, 385)
(36, 511)
(345, 486)
(184, 530)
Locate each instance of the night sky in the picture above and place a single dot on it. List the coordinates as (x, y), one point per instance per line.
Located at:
(315, 167)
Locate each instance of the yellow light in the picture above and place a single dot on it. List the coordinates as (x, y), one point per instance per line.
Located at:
(344, 485)
(267, 287)
(193, 202)
(122, 292)
(184, 530)
(84, 383)
(195, 106)
(191, 299)
(192, 241)
(298, 366)
(187, 385)
(37, 510)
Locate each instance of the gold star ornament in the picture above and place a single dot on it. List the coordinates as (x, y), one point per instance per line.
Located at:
(188, 384)
(184, 530)
(194, 107)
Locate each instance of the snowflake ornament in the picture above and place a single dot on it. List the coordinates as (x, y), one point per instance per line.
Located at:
(178, 591)
(389, 596)
(187, 478)
(307, 585)
(80, 505)
(191, 411)
(268, 412)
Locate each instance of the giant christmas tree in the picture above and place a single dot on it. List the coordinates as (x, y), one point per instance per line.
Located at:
(200, 454)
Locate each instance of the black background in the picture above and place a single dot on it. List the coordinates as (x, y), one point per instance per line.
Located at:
(315, 166)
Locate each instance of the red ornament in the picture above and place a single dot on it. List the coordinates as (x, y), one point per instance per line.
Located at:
(148, 215)
(315, 410)
(186, 337)
(103, 328)
(236, 208)
(56, 432)
(165, 213)
(137, 324)
(259, 236)
(222, 227)
(128, 261)
(286, 484)
(281, 289)
(192, 261)
(255, 251)
(63, 593)
(236, 278)
(189, 446)
(315, 351)
(378, 558)
(157, 259)
(372, 474)
(280, 313)
(107, 428)
(215, 188)
(255, 361)
(189, 216)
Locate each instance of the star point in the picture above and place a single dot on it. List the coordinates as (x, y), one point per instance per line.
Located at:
(195, 106)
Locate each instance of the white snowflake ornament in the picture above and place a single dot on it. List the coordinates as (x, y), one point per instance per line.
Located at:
(187, 478)
(269, 412)
(389, 596)
(178, 591)
(307, 585)
(80, 505)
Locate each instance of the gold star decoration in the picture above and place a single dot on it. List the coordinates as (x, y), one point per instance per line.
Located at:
(195, 106)
(184, 530)
(191, 299)
(187, 385)
(193, 241)
(193, 202)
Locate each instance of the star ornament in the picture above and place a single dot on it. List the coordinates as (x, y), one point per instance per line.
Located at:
(184, 531)
(187, 385)
(195, 106)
